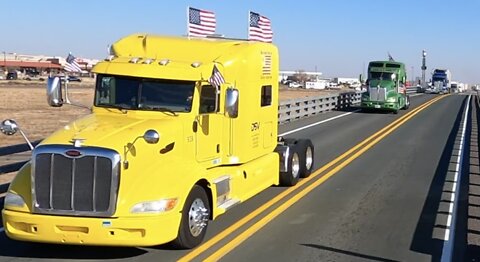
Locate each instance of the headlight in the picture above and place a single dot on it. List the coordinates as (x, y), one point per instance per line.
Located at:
(391, 99)
(14, 200)
(157, 206)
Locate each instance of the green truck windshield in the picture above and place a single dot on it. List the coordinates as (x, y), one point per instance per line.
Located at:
(380, 76)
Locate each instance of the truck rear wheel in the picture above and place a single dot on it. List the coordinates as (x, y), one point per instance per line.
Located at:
(306, 151)
(290, 178)
(194, 223)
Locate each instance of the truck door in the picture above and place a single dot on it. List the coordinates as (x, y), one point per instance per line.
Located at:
(209, 126)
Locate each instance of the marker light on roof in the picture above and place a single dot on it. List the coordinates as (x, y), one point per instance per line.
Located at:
(110, 58)
(164, 62)
(148, 61)
(134, 60)
(196, 64)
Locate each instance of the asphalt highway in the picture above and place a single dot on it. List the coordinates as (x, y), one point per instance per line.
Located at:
(382, 192)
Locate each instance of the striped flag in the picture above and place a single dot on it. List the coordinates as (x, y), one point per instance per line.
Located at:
(267, 64)
(201, 23)
(72, 64)
(260, 28)
(216, 79)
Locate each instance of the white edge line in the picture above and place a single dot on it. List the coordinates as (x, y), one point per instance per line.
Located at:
(452, 216)
(318, 123)
(415, 95)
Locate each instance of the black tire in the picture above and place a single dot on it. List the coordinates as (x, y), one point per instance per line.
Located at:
(290, 178)
(194, 223)
(306, 152)
(407, 102)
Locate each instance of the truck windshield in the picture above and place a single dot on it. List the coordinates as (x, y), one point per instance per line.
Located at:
(144, 93)
(380, 76)
(438, 79)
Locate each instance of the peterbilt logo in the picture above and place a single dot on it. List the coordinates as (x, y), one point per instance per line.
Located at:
(73, 153)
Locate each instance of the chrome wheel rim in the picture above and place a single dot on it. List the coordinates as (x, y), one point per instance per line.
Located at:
(197, 217)
(295, 165)
(308, 158)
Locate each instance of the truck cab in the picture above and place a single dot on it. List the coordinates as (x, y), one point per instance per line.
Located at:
(385, 87)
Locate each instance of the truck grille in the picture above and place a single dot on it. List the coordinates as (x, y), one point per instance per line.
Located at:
(378, 94)
(81, 181)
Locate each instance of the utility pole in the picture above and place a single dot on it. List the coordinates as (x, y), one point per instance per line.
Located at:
(4, 61)
(413, 76)
(424, 67)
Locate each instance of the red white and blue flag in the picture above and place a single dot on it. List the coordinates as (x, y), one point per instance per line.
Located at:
(201, 23)
(72, 64)
(216, 79)
(260, 28)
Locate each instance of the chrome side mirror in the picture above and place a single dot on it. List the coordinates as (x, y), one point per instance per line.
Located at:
(9, 127)
(54, 91)
(151, 136)
(231, 102)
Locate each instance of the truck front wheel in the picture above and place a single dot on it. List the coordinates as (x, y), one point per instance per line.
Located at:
(195, 215)
(407, 102)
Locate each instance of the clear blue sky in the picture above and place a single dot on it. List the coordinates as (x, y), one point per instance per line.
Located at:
(336, 37)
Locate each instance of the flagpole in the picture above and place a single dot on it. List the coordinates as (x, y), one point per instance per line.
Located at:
(248, 25)
(188, 18)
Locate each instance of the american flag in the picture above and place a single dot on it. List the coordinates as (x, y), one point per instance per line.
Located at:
(260, 28)
(201, 23)
(72, 64)
(267, 64)
(216, 79)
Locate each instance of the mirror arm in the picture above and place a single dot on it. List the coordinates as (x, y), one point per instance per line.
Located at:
(67, 99)
(78, 105)
(26, 139)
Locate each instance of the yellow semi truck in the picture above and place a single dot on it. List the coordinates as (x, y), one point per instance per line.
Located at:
(181, 130)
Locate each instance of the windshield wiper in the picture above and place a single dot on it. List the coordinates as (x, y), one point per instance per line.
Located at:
(121, 107)
(159, 108)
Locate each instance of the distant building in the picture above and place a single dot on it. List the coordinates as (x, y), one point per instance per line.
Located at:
(283, 75)
(39, 65)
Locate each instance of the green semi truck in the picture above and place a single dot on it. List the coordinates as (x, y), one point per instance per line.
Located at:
(386, 89)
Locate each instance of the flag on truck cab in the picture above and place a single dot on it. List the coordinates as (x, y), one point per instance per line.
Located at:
(201, 23)
(390, 58)
(72, 64)
(260, 28)
(216, 79)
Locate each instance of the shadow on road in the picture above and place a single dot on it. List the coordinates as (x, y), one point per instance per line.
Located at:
(11, 248)
(349, 253)
(430, 229)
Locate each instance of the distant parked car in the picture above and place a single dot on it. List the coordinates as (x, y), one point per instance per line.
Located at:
(12, 76)
(71, 79)
(74, 79)
(295, 85)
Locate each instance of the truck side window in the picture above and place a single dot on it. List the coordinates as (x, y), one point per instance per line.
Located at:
(266, 96)
(208, 99)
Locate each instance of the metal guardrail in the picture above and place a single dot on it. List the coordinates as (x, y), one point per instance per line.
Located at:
(293, 109)
(12, 167)
(412, 90)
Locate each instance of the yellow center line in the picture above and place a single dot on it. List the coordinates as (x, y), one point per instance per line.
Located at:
(217, 238)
